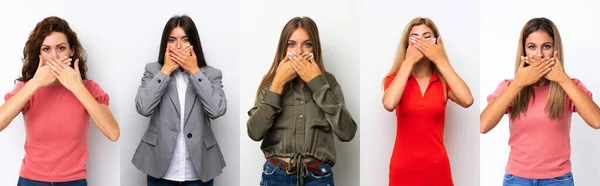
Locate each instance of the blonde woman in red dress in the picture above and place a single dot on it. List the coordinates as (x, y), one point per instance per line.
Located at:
(418, 87)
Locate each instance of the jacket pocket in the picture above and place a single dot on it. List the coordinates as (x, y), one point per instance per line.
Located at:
(150, 138)
(210, 141)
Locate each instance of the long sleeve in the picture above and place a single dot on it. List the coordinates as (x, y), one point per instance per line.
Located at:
(209, 87)
(266, 108)
(330, 99)
(153, 87)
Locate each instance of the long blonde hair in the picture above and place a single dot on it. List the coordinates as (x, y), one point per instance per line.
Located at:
(556, 99)
(401, 51)
(310, 27)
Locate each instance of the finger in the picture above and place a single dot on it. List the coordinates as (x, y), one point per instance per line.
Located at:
(193, 53)
(439, 41)
(312, 62)
(419, 48)
(76, 66)
(299, 61)
(176, 57)
(522, 63)
(41, 62)
(66, 61)
(544, 72)
(53, 66)
(55, 74)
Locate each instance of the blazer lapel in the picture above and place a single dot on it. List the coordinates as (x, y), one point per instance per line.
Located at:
(172, 91)
(190, 99)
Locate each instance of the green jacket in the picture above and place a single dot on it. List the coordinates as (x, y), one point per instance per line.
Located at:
(301, 122)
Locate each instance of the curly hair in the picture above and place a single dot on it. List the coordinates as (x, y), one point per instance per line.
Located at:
(31, 51)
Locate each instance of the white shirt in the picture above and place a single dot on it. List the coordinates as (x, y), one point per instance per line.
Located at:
(181, 168)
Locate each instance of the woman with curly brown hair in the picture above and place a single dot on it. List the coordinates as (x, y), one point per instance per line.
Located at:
(57, 102)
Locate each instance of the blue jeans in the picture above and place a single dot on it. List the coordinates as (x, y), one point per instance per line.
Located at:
(274, 176)
(565, 180)
(151, 181)
(27, 182)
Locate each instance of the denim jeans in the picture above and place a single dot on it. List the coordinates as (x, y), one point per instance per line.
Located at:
(564, 180)
(151, 181)
(274, 176)
(27, 182)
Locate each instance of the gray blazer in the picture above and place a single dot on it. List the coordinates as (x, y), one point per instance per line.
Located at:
(204, 100)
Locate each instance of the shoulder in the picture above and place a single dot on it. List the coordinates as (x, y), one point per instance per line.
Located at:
(91, 84)
(330, 79)
(209, 70)
(153, 66)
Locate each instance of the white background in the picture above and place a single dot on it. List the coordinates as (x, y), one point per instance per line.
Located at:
(120, 39)
(382, 23)
(262, 22)
(501, 24)
(218, 25)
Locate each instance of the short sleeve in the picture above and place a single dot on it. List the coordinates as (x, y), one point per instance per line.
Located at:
(501, 88)
(97, 92)
(583, 89)
(388, 81)
(18, 87)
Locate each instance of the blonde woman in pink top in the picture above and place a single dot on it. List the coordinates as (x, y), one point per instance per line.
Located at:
(57, 102)
(540, 102)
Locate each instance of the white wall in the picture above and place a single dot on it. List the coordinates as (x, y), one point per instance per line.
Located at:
(218, 25)
(382, 23)
(262, 22)
(501, 23)
(20, 19)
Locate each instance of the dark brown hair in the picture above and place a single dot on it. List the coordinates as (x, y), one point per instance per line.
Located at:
(556, 99)
(313, 33)
(31, 51)
(188, 26)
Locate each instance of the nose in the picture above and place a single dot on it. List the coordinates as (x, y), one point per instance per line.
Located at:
(299, 50)
(54, 54)
(539, 54)
(179, 45)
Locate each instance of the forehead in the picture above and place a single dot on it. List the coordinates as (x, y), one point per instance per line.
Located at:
(55, 38)
(177, 32)
(299, 35)
(419, 29)
(538, 37)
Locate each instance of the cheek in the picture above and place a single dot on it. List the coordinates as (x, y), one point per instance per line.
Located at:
(548, 53)
(185, 44)
(308, 49)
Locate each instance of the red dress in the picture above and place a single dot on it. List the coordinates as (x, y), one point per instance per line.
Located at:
(419, 157)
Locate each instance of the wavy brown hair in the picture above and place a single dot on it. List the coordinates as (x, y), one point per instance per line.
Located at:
(310, 27)
(556, 99)
(31, 51)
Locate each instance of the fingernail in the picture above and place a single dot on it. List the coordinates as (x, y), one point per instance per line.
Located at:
(306, 53)
(293, 52)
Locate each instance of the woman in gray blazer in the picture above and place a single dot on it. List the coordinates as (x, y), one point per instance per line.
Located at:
(181, 94)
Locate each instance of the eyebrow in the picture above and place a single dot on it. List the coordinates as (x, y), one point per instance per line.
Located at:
(418, 34)
(295, 41)
(542, 43)
(176, 37)
(56, 45)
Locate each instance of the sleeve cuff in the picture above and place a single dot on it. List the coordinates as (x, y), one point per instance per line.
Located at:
(272, 98)
(316, 83)
(199, 77)
(161, 77)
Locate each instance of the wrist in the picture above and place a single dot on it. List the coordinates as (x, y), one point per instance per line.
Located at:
(194, 70)
(563, 79)
(276, 87)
